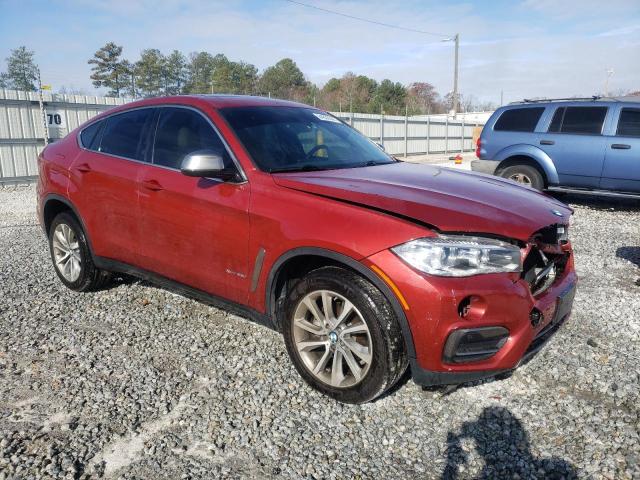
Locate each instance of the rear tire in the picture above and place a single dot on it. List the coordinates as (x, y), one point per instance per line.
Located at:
(356, 352)
(524, 175)
(71, 255)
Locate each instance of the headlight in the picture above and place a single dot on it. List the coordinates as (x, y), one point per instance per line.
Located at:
(460, 256)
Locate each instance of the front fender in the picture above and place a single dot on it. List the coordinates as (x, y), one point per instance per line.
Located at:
(536, 154)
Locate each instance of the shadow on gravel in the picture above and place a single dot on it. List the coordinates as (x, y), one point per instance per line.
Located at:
(503, 444)
(599, 203)
(631, 254)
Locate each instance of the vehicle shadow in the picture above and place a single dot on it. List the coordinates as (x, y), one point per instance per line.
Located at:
(503, 443)
(631, 254)
(597, 202)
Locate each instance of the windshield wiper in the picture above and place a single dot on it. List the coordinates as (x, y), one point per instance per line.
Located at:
(301, 168)
(370, 163)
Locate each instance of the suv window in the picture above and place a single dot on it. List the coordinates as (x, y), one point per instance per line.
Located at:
(585, 120)
(181, 131)
(629, 123)
(519, 119)
(90, 136)
(125, 134)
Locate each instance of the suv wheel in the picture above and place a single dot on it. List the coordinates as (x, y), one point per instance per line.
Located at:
(343, 336)
(525, 175)
(71, 255)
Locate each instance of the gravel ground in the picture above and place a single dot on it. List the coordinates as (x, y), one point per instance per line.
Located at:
(137, 382)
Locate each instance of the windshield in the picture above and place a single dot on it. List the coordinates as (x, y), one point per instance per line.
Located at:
(283, 139)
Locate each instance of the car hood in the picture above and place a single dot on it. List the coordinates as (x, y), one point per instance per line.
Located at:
(445, 199)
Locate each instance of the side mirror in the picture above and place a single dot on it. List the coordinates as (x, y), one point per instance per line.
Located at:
(206, 163)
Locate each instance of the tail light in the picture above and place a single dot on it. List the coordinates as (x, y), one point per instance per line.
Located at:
(478, 146)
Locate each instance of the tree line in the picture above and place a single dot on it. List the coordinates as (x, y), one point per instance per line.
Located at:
(155, 73)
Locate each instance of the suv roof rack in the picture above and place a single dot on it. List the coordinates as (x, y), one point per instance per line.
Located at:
(576, 99)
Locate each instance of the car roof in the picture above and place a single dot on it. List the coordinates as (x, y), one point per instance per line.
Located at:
(580, 101)
(215, 101)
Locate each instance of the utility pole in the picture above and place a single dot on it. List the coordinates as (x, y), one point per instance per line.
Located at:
(501, 97)
(456, 40)
(610, 72)
(455, 76)
(43, 112)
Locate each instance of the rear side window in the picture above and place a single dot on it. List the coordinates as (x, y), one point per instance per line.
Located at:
(180, 132)
(629, 123)
(582, 120)
(519, 119)
(125, 134)
(90, 136)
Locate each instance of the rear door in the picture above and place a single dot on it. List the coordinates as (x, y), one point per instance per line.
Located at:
(193, 230)
(622, 159)
(106, 174)
(575, 143)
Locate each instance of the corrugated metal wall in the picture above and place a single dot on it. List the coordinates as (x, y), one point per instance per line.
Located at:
(22, 129)
(424, 135)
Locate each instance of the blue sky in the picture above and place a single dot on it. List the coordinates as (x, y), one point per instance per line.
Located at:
(527, 48)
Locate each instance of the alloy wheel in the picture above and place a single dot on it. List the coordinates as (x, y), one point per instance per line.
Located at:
(66, 252)
(332, 339)
(521, 178)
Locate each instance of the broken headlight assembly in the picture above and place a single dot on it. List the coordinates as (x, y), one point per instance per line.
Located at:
(460, 255)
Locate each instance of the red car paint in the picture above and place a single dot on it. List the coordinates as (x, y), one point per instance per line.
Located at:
(208, 235)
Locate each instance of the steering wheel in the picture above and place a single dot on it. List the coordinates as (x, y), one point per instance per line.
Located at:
(316, 149)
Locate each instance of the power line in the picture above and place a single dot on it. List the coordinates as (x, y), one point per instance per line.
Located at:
(389, 25)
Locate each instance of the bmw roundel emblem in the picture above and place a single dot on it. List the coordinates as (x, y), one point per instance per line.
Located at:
(556, 213)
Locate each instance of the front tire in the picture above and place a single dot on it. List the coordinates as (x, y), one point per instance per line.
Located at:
(524, 175)
(71, 255)
(343, 336)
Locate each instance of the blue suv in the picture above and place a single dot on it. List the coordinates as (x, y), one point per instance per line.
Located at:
(568, 145)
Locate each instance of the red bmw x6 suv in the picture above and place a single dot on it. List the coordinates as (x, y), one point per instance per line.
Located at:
(366, 264)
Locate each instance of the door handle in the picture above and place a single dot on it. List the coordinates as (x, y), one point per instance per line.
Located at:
(152, 185)
(83, 168)
(620, 146)
(547, 142)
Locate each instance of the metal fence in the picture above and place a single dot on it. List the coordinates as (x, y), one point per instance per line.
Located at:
(412, 136)
(22, 129)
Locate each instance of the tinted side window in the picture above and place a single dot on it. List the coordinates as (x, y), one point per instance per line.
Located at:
(181, 131)
(629, 122)
(125, 134)
(519, 119)
(90, 136)
(583, 120)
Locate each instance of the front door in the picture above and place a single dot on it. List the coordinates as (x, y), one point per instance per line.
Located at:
(193, 230)
(622, 161)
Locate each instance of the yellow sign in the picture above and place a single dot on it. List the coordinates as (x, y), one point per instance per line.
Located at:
(46, 87)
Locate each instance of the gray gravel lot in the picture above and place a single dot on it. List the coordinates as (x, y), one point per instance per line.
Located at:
(137, 382)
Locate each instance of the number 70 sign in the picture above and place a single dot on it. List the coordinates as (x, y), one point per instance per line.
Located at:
(56, 119)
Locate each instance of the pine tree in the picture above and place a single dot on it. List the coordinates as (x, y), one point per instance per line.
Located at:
(109, 70)
(22, 72)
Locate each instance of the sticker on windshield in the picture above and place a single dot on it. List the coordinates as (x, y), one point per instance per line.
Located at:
(326, 118)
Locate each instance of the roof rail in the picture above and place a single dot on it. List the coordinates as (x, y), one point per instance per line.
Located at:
(593, 98)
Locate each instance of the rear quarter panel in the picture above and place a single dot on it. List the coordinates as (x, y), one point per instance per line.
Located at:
(501, 145)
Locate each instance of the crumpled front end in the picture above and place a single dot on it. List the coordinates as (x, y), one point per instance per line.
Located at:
(473, 327)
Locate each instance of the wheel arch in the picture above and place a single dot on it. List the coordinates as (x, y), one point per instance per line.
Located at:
(528, 154)
(311, 258)
(54, 204)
